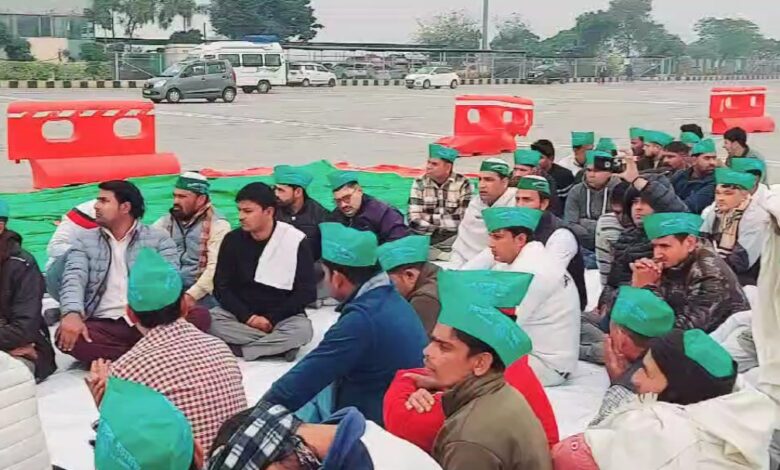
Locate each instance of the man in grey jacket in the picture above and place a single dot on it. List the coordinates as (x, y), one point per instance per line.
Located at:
(93, 292)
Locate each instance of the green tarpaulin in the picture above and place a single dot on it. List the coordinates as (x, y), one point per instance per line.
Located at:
(35, 215)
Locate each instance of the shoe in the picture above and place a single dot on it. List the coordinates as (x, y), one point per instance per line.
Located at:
(290, 355)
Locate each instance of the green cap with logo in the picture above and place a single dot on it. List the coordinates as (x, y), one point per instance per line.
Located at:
(592, 155)
(292, 176)
(470, 302)
(497, 218)
(496, 165)
(442, 153)
(657, 137)
(748, 164)
(408, 250)
(704, 147)
(153, 282)
(636, 133)
(705, 351)
(578, 139)
(347, 246)
(5, 210)
(527, 157)
(534, 183)
(642, 312)
(140, 428)
(606, 145)
(194, 182)
(728, 176)
(338, 178)
(663, 224)
(689, 138)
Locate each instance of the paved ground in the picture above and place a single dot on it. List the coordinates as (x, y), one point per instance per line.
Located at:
(387, 125)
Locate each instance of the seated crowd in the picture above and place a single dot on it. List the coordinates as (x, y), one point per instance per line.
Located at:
(452, 319)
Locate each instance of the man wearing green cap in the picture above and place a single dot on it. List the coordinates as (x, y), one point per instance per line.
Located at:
(696, 185)
(607, 145)
(636, 134)
(194, 370)
(438, 201)
(488, 425)
(295, 207)
(581, 143)
(529, 163)
(563, 178)
(675, 157)
(754, 166)
(736, 224)
(198, 229)
(494, 191)
(415, 278)
(550, 312)
(377, 334)
(360, 211)
(700, 287)
(655, 141)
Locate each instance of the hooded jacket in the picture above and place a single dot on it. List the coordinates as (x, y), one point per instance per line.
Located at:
(584, 206)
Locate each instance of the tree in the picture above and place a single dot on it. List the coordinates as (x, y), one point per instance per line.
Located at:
(454, 30)
(15, 48)
(136, 13)
(594, 31)
(103, 14)
(730, 38)
(565, 42)
(514, 34)
(170, 9)
(193, 36)
(631, 18)
(288, 19)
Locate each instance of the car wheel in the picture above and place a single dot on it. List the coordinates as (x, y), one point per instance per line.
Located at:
(173, 96)
(248, 89)
(426, 84)
(263, 87)
(229, 95)
(332, 82)
(305, 83)
(156, 101)
(411, 87)
(211, 100)
(454, 84)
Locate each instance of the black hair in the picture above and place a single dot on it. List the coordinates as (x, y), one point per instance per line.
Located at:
(125, 191)
(477, 346)
(515, 231)
(693, 128)
(682, 236)
(259, 193)
(355, 275)
(545, 147)
(164, 316)
(227, 430)
(577, 147)
(678, 147)
(736, 134)
(618, 192)
(418, 266)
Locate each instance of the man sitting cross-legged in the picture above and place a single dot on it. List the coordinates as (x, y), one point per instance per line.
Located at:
(264, 280)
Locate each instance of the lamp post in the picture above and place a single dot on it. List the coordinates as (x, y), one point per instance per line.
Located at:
(485, 14)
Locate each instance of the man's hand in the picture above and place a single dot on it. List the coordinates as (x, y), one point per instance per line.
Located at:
(424, 381)
(615, 362)
(98, 378)
(261, 323)
(421, 401)
(26, 352)
(187, 302)
(645, 272)
(71, 327)
(632, 171)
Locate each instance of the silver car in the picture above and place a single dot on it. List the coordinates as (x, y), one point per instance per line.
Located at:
(193, 79)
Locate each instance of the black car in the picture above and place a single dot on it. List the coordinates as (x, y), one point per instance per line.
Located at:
(550, 73)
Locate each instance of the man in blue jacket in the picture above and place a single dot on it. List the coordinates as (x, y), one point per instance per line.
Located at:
(377, 334)
(696, 185)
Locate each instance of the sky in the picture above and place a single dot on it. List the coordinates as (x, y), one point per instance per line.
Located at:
(395, 20)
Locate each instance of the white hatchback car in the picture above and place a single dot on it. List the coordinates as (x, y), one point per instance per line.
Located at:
(436, 77)
(308, 74)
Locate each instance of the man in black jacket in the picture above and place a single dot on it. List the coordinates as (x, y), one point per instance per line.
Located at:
(564, 179)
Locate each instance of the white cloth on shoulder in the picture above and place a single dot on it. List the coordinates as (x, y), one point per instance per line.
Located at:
(279, 261)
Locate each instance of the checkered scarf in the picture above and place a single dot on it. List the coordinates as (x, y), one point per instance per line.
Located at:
(265, 435)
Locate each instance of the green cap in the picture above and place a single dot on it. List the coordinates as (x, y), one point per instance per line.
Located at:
(408, 250)
(657, 137)
(192, 181)
(636, 133)
(140, 428)
(527, 157)
(592, 155)
(606, 145)
(689, 138)
(153, 283)
(642, 312)
(745, 164)
(497, 218)
(706, 146)
(468, 304)
(534, 183)
(5, 210)
(292, 176)
(442, 153)
(705, 351)
(578, 139)
(745, 181)
(496, 165)
(347, 246)
(671, 223)
(340, 178)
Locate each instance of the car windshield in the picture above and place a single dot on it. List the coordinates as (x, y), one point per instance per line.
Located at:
(425, 70)
(173, 70)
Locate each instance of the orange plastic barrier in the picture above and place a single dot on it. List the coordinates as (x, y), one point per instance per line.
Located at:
(739, 107)
(488, 125)
(90, 149)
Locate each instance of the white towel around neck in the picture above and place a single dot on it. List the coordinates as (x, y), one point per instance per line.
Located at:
(279, 261)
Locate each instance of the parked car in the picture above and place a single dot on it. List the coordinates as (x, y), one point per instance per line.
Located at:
(346, 71)
(307, 74)
(436, 77)
(193, 79)
(548, 73)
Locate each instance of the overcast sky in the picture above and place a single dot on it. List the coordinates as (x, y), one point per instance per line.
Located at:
(395, 20)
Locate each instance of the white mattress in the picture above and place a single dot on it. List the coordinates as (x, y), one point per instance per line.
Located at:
(67, 409)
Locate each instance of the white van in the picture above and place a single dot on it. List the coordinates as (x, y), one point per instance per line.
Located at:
(258, 66)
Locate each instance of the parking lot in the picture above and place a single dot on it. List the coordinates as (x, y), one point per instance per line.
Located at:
(373, 125)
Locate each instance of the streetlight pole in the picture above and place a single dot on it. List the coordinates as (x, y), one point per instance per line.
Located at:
(485, 19)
